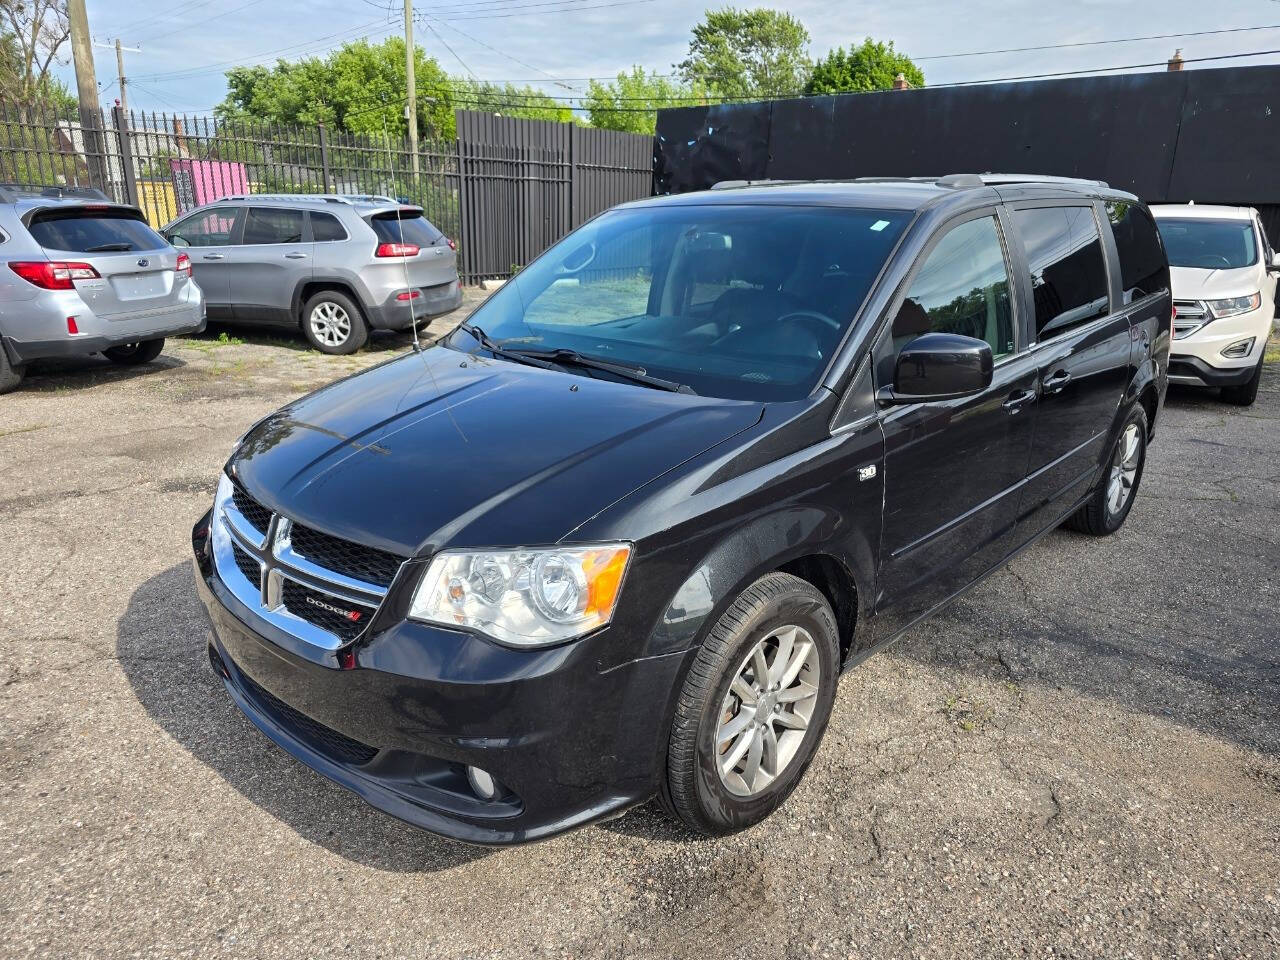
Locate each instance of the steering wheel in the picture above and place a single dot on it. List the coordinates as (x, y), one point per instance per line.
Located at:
(812, 316)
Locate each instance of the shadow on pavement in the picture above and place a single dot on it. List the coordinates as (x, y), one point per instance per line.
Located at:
(161, 644)
(88, 371)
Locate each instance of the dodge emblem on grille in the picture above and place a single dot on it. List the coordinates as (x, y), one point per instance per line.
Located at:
(352, 615)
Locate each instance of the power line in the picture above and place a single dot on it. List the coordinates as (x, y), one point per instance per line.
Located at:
(215, 16)
(1098, 43)
(500, 8)
(502, 53)
(436, 33)
(570, 9)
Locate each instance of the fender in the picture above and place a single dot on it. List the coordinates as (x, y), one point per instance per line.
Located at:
(334, 280)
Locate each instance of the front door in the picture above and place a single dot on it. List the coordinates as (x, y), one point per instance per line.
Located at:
(952, 468)
(207, 237)
(269, 264)
(1083, 353)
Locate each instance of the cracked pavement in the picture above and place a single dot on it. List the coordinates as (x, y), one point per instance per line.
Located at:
(1080, 758)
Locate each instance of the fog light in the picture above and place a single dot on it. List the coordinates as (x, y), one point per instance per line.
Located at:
(485, 787)
(1239, 349)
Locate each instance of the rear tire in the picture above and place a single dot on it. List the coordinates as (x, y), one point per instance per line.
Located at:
(1246, 393)
(10, 373)
(333, 323)
(732, 714)
(134, 354)
(1107, 507)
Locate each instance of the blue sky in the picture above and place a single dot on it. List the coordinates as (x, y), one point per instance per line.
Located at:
(187, 44)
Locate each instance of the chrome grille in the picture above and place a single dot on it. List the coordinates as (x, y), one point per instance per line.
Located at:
(1192, 315)
(302, 595)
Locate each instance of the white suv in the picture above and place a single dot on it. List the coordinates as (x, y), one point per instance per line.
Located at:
(1223, 274)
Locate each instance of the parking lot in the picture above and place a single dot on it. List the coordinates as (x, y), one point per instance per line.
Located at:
(1080, 758)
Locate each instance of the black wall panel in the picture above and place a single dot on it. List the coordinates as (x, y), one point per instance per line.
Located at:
(1208, 135)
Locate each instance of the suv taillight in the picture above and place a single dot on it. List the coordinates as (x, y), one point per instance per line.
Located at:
(53, 274)
(183, 267)
(396, 250)
(452, 246)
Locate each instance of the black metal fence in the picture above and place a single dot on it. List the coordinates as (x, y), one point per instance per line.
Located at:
(505, 189)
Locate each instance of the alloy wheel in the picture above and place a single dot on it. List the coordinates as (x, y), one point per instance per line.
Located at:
(330, 323)
(766, 712)
(1124, 469)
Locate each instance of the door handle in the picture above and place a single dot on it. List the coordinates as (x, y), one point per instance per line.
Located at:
(1019, 399)
(212, 256)
(295, 256)
(1057, 382)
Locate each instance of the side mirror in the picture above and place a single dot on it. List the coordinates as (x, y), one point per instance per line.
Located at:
(939, 366)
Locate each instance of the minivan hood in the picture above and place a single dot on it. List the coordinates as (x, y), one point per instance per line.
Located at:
(443, 448)
(1196, 283)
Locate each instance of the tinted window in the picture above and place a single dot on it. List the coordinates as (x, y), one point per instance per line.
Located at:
(963, 287)
(1209, 244)
(325, 227)
(269, 225)
(405, 228)
(1068, 273)
(84, 231)
(1143, 268)
(745, 302)
(210, 228)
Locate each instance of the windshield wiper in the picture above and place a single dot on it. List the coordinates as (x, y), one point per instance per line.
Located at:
(488, 343)
(109, 247)
(564, 356)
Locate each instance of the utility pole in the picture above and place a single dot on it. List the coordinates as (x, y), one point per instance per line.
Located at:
(411, 105)
(120, 77)
(87, 89)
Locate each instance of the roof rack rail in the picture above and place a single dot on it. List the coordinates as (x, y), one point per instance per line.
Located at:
(11, 192)
(731, 184)
(991, 179)
(347, 198)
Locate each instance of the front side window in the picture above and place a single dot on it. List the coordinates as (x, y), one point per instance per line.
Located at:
(80, 230)
(744, 302)
(963, 288)
(272, 225)
(1143, 267)
(1209, 244)
(209, 228)
(1068, 271)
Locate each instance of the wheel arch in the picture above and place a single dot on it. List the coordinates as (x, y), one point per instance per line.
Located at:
(307, 288)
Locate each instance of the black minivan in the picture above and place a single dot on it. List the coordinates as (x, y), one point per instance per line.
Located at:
(619, 534)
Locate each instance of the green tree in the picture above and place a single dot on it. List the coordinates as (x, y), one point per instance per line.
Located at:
(631, 102)
(750, 54)
(871, 66)
(509, 100)
(32, 32)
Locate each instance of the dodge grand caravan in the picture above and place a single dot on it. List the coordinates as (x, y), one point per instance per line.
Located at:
(618, 535)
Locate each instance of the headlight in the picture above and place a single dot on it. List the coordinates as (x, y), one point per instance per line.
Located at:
(523, 597)
(1234, 305)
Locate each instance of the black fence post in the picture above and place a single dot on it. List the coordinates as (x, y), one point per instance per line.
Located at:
(324, 156)
(464, 214)
(130, 175)
(573, 175)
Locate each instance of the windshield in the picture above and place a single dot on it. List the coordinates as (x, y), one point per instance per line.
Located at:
(1209, 244)
(741, 302)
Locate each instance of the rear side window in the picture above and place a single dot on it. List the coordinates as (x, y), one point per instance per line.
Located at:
(416, 229)
(93, 231)
(1068, 272)
(963, 287)
(270, 225)
(325, 228)
(1143, 267)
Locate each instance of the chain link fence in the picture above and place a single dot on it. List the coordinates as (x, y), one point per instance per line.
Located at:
(505, 192)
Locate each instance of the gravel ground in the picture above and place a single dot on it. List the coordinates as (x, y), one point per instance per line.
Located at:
(1081, 758)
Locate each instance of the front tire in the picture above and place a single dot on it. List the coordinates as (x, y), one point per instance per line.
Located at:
(1246, 393)
(753, 707)
(134, 354)
(333, 324)
(1109, 504)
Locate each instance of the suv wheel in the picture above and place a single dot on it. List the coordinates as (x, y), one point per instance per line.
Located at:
(134, 354)
(1112, 499)
(1246, 393)
(333, 323)
(10, 374)
(753, 707)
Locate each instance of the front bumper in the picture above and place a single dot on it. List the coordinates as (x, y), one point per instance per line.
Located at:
(393, 314)
(398, 718)
(1194, 372)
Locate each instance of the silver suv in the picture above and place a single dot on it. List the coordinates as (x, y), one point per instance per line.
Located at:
(82, 275)
(336, 265)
